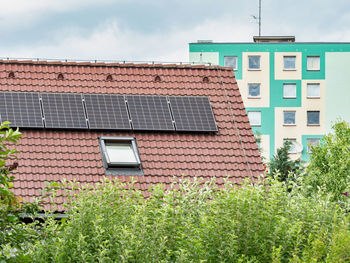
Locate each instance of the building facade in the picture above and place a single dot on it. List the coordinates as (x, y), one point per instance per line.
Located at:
(292, 91)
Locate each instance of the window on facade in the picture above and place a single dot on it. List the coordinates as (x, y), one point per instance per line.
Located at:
(313, 118)
(289, 117)
(313, 63)
(289, 90)
(254, 90)
(253, 62)
(120, 153)
(313, 90)
(289, 62)
(311, 142)
(293, 146)
(230, 61)
(254, 118)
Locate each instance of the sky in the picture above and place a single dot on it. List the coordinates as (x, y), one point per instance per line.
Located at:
(157, 30)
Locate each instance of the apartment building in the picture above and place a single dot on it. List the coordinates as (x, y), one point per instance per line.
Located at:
(291, 90)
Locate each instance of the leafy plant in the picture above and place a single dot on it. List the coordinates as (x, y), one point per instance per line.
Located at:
(329, 167)
(282, 166)
(12, 233)
(193, 222)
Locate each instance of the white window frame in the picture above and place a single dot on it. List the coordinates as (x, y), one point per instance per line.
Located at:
(121, 141)
(257, 123)
(284, 63)
(310, 67)
(284, 119)
(251, 56)
(289, 85)
(307, 90)
(254, 97)
(235, 65)
(319, 118)
(311, 144)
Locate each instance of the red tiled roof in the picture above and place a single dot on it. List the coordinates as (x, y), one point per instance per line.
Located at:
(47, 155)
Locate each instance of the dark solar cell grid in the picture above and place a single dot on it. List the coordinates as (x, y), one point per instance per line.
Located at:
(22, 109)
(63, 110)
(107, 112)
(192, 114)
(150, 113)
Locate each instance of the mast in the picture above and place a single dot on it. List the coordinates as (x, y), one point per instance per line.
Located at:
(259, 18)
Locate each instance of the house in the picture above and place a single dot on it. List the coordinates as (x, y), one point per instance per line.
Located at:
(291, 90)
(85, 121)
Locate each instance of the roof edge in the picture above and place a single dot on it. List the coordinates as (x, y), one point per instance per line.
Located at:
(179, 65)
(267, 43)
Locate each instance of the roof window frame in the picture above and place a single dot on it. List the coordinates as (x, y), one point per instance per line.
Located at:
(122, 168)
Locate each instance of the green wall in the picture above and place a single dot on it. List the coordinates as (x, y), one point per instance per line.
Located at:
(337, 87)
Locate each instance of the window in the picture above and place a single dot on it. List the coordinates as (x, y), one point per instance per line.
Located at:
(289, 90)
(311, 142)
(313, 118)
(289, 62)
(254, 90)
(313, 90)
(289, 117)
(313, 63)
(254, 118)
(120, 154)
(293, 146)
(253, 62)
(230, 61)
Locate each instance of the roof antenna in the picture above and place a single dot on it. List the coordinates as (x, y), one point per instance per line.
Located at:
(258, 18)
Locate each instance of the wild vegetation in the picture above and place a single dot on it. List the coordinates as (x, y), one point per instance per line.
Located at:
(265, 221)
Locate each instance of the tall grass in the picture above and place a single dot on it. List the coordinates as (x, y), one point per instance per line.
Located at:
(194, 222)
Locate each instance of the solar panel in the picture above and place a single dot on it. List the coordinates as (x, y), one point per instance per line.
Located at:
(63, 110)
(22, 109)
(150, 113)
(107, 112)
(193, 114)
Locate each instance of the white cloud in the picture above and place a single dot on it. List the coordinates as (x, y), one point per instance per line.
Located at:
(109, 41)
(15, 13)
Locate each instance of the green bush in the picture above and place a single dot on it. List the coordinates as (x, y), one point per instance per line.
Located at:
(329, 167)
(282, 167)
(193, 222)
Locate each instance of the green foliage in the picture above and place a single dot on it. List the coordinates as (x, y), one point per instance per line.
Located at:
(7, 135)
(329, 167)
(282, 166)
(12, 233)
(192, 222)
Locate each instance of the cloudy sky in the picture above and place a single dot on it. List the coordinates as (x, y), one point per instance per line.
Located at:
(157, 30)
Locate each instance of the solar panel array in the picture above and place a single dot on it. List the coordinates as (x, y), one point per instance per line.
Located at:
(107, 111)
(150, 113)
(63, 110)
(22, 109)
(193, 114)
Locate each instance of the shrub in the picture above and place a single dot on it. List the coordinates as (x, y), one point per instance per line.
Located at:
(282, 167)
(193, 222)
(12, 231)
(329, 167)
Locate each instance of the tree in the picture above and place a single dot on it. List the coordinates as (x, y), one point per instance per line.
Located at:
(282, 166)
(329, 167)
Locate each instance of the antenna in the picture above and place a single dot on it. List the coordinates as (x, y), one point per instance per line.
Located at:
(258, 18)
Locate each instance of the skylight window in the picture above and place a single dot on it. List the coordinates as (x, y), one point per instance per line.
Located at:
(120, 154)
